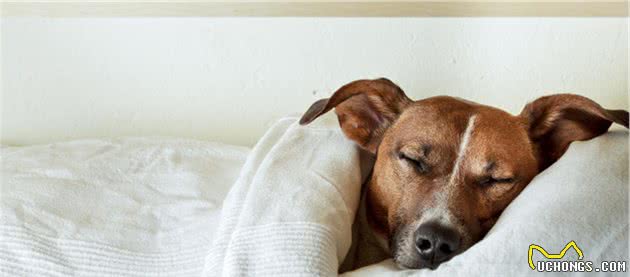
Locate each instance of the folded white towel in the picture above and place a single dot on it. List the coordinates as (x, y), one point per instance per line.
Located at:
(291, 210)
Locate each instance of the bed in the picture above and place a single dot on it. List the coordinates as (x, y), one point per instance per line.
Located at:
(155, 206)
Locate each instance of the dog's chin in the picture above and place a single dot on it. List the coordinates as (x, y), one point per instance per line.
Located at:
(410, 263)
(414, 262)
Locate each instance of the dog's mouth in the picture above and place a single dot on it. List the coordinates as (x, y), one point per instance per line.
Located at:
(413, 261)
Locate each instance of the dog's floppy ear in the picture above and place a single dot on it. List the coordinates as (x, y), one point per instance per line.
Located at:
(557, 120)
(365, 108)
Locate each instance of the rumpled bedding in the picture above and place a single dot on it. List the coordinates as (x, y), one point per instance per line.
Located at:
(158, 207)
(115, 207)
(291, 211)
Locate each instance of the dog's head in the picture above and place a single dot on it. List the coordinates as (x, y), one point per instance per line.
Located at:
(445, 167)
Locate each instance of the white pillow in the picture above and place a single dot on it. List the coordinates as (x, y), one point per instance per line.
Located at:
(582, 197)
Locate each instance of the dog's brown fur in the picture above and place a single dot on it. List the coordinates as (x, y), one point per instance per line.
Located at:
(421, 163)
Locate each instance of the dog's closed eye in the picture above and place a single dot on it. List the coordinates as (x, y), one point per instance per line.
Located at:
(417, 163)
(489, 181)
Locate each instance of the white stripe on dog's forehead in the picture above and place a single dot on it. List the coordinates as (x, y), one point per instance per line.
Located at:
(463, 147)
(440, 211)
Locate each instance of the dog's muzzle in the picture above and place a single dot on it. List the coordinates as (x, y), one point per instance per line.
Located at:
(436, 243)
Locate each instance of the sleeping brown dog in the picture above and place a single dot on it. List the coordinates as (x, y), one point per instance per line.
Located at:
(445, 168)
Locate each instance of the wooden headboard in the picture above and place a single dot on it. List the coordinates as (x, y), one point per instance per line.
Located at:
(360, 8)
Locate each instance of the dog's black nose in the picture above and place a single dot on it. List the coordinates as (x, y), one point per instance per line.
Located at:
(436, 243)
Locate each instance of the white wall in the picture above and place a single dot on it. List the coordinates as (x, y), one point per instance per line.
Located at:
(228, 79)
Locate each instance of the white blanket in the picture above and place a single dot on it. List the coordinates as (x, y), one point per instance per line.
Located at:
(150, 207)
(291, 210)
(121, 207)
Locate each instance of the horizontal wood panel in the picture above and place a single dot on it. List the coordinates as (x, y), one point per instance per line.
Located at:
(313, 8)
